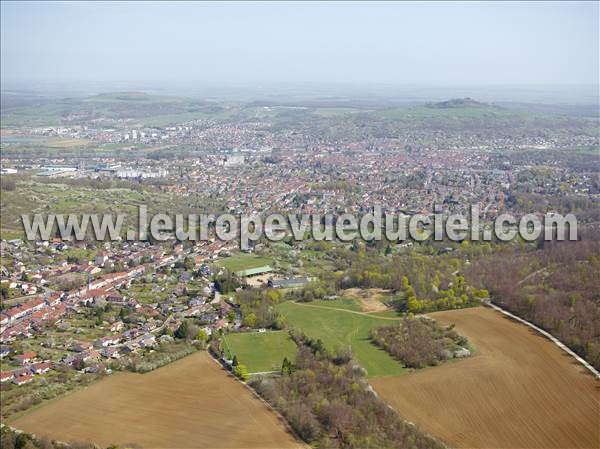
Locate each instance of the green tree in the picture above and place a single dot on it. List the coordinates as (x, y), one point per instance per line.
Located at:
(250, 320)
(231, 316)
(202, 336)
(241, 371)
(182, 330)
(273, 295)
(286, 367)
(188, 263)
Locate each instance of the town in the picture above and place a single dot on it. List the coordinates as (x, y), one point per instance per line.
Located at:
(328, 225)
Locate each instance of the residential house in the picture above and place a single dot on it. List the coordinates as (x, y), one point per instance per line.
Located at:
(21, 380)
(81, 346)
(4, 351)
(25, 358)
(111, 352)
(41, 367)
(106, 341)
(147, 341)
(117, 326)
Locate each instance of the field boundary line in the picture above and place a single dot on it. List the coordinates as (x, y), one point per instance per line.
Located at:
(369, 314)
(35, 437)
(402, 418)
(256, 395)
(548, 335)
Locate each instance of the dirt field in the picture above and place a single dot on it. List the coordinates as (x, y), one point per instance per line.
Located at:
(191, 403)
(518, 391)
(370, 299)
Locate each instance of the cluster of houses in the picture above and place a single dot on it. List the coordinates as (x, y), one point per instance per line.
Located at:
(53, 308)
(109, 347)
(125, 254)
(30, 366)
(29, 317)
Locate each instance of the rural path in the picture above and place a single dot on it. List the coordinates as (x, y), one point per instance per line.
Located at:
(532, 275)
(369, 314)
(549, 336)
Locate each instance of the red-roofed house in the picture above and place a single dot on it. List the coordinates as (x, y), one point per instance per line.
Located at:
(25, 358)
(23, 379)
(41, 367)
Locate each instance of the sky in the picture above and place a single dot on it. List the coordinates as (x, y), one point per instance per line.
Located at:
(465, 43)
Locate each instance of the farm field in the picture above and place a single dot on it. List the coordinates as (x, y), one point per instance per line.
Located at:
(518, 391)
(343, 328)
(189, 403)
(261, 352)
(241, 261)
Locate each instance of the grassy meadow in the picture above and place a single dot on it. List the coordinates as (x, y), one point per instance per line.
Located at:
(261, 351)
(338, 323)
(344, 328)
(242, 261)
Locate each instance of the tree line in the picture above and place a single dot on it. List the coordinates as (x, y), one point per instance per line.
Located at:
(327, 401)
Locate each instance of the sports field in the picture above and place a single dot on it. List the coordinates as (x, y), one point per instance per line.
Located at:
(518, 391)
(343, 328)
(191, 403)
(261, 352)
(241, 261)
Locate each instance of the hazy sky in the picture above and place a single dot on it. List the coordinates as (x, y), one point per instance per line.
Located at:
(421, 42)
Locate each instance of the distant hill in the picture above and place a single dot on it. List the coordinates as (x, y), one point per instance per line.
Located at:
(458, 103)
(133, 97)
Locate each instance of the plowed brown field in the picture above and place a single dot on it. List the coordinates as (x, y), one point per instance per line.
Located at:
(190, 403)
(518, 391)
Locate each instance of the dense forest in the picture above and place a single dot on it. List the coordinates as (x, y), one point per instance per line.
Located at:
(423, 283)
(258, 308)
(418, 342)
(328, 403)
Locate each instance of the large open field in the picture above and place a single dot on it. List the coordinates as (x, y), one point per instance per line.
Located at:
(518, 391)
(242, 261)
(190, 403)
(261, 352)
(336, 327)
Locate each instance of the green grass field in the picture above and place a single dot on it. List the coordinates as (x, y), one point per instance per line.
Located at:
(343, 328)
(241, 261)
(261, 351)
(338, 303)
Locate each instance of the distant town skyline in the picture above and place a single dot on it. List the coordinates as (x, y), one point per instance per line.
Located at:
(471, 43)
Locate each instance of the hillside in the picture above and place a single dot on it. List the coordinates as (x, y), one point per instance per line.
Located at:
(458, 103)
